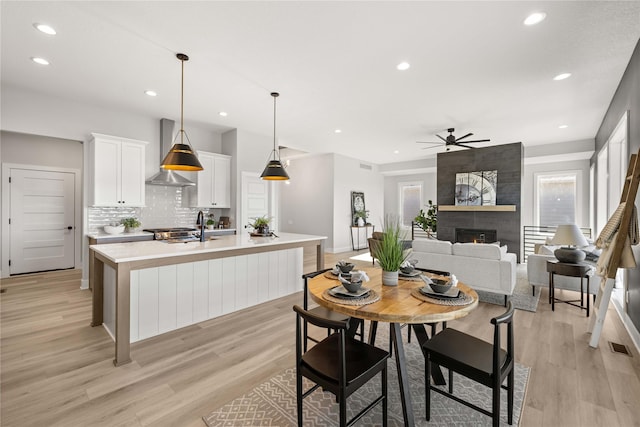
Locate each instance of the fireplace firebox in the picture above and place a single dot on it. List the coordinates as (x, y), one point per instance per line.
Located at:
(475, 235)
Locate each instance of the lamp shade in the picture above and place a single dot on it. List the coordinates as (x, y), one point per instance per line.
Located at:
(274, 171)
(569, 234)
(181, 158)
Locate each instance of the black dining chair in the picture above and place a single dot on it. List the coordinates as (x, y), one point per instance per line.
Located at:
(478, 360)
(339, 364)
(325, 313)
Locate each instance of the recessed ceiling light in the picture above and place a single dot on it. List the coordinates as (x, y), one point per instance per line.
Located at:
(403, 66)
(396, 151)
(562, 76)
(535, 18)
(151, 92)
(337, 131)
(563, 126)
(44, 28)
(40, 61)
(222, 114)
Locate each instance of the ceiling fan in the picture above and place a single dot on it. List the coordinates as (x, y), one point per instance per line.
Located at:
(452, 140)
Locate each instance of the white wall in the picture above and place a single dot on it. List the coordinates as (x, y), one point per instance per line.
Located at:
(318, 198)
(306, 203)
(350, 175)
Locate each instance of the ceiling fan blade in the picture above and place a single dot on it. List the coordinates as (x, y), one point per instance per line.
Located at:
(463, 137)
(432, 147)
(478, 140)
(465, 146)
(427, 142)
(441, 138)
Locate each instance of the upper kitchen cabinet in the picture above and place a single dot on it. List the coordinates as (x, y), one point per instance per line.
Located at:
(213, 183)
(116, 171)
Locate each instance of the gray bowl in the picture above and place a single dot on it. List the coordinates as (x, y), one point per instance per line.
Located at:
(407, 270)
(353, 286)
(441, 286)
(345, 268)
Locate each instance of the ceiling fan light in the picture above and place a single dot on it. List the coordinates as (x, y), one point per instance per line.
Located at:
(181, 158)
(535, 18)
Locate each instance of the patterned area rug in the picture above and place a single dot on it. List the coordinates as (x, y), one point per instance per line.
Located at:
(521, 298)
(273, 403)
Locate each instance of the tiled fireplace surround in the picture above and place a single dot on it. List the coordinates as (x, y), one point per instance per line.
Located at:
(163, 209)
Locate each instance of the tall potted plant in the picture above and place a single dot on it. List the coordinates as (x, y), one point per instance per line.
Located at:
(428, 221)
(390, 251)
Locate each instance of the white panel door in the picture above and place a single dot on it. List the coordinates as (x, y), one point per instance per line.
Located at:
(42, 220)
(255, 198)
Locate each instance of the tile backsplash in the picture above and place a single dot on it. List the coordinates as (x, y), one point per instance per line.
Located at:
(163, 209)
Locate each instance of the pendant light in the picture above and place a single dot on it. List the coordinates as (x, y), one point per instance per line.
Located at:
(274, 171)
(181, 156)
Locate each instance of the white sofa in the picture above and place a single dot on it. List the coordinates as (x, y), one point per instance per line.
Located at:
(485, 267)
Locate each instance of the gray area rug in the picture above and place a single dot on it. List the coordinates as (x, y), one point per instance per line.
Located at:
(273, 403)
(521, 298)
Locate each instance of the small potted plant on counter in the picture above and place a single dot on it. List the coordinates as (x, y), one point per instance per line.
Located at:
(211, 222)
(130, 224)
(260, 225)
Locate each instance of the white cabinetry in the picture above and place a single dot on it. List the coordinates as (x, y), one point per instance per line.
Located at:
(116, 171)
(213, 183)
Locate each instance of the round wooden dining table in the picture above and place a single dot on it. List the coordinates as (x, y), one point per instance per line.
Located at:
(396, 306)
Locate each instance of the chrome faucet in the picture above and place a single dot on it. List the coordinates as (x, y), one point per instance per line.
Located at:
(200, 220)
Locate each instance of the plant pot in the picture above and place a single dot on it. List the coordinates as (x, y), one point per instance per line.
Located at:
(390, 278)
(210, 227)
(360, 222)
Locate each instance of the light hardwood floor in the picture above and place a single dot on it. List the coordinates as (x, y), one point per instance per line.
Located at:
(57, 370)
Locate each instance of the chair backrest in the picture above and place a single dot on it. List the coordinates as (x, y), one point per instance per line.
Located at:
(505, 318)
(306, 277)
(340, 326)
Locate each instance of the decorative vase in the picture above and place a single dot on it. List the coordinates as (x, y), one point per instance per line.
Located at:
(360, 222)
(390, 278)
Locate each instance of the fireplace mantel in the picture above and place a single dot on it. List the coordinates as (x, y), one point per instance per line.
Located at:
(498, 208)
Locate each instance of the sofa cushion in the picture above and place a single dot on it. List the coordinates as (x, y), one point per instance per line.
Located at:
(547, 249)
(432, 246)
(479, 250)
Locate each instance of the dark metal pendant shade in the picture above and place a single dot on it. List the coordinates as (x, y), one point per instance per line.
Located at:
(181, 156)
(274, 171)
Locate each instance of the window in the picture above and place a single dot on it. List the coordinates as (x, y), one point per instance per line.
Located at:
(556, 199)
(410, 201)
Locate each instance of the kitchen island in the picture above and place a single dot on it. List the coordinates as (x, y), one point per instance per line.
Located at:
(143, 289)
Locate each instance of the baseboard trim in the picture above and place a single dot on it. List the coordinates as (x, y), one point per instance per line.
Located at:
(84, 284)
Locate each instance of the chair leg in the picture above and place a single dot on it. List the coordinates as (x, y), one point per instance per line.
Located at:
(299, 396)
(427, 387)
(409, 333)
(496, 402)
(386, 399)
(450, 381)
(510, 384)
(343, 410)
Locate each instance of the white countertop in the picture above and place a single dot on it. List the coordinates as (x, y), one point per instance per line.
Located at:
(139, 251)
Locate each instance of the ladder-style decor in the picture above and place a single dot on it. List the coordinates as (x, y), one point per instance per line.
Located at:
(616, 236)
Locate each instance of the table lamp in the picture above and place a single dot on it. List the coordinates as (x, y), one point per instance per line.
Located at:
(569, 235)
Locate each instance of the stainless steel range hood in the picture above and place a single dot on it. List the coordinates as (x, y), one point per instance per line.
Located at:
(167, 177)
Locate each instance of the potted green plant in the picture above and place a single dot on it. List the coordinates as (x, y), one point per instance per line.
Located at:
(130, 224)
(211, 222)
(360, 217)
(390, 251)
(428, 221)
(261, 224)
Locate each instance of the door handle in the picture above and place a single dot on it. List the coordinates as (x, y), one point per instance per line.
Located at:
(70, 227)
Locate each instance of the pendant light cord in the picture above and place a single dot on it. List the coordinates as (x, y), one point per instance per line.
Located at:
(182, 101)
(276, 156)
